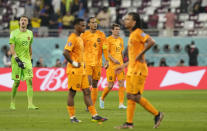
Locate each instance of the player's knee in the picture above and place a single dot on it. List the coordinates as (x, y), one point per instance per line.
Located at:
(87, 92)
(129, 96)
(72, 92)
(16, 84)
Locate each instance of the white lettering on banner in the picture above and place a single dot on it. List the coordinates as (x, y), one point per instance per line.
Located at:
(52, 77)
(5, 80)
(190, 78)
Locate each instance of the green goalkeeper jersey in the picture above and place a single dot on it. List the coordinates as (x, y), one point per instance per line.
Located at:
(22, 42)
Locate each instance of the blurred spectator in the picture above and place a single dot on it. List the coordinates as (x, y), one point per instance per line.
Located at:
(29, 9)
(13, 24)
(74, 7)
(53, 24)
(35, 22)
(7, 59)
(163, 62)
(170, 22)
(114, 3)
(56, 54)
(153, 20)
(68, 4)
(40, 63)
(45, 17)
(104, 17)
(193, 53)
(126, 59)
(58, 63)
(56, 4)
(184, 6)
(197, 7)
(68, 20)
(181, 63)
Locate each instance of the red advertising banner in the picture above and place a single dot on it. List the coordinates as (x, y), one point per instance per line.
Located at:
(159, 78)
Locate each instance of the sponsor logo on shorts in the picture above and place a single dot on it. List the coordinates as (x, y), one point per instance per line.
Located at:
(17, 76)
(28, 38)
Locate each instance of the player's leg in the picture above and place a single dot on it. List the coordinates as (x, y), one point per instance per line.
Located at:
(105, 93)
(70, 106)
(139, 84)
(13, 94)
(74, 82)
(121, 94)
(88, 101)
(95, 77)
(30, 94)
(16, 76)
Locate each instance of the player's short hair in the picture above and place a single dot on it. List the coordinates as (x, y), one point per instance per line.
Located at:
(115, 25)
(136, 18)
(77, 21)
(24, 16)
(89, 19)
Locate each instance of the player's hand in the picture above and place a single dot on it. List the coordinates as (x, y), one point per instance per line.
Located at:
(76, 64)
(19, 62)
(119, 69)
(140, 58)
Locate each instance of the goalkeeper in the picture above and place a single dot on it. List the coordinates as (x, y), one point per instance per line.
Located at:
(20, 45)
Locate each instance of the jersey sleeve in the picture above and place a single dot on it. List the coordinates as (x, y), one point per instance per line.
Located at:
(70, 44)
(12, 38)
(143, 36)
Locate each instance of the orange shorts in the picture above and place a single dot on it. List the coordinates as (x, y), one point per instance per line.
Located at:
(135, 84)
(111, 76)
(77, 81)
(94, 71)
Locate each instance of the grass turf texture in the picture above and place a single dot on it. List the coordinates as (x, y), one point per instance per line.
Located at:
(184, 111)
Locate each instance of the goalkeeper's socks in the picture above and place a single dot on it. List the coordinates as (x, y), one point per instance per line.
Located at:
(29, 92)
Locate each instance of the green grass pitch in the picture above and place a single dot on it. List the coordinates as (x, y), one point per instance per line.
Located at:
(184, 111)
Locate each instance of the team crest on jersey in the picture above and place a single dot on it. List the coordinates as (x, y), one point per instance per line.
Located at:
(98, 39)
(28, 38)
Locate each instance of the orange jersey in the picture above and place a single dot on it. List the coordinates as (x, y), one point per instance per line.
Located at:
(93, 45)
(115, 48)
(75, 46)
(136, 45)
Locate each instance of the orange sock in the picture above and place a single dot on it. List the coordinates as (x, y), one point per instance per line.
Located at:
(92, 110)
(71, 111)
(148, 106)
(105, 92)
(131, 105)
(121, 95)
(94, 94)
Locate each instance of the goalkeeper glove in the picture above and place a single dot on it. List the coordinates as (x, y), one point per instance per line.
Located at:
(19, 62)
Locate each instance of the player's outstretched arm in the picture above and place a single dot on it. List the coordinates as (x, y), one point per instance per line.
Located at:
(66, 54)
(19, 62)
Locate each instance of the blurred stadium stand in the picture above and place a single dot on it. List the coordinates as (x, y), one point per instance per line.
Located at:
(191, 23)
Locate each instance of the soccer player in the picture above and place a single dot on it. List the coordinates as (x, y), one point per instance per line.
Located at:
(77, 78)
(115, 46)
(138, 44)
(94, 46)
(21, 48)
